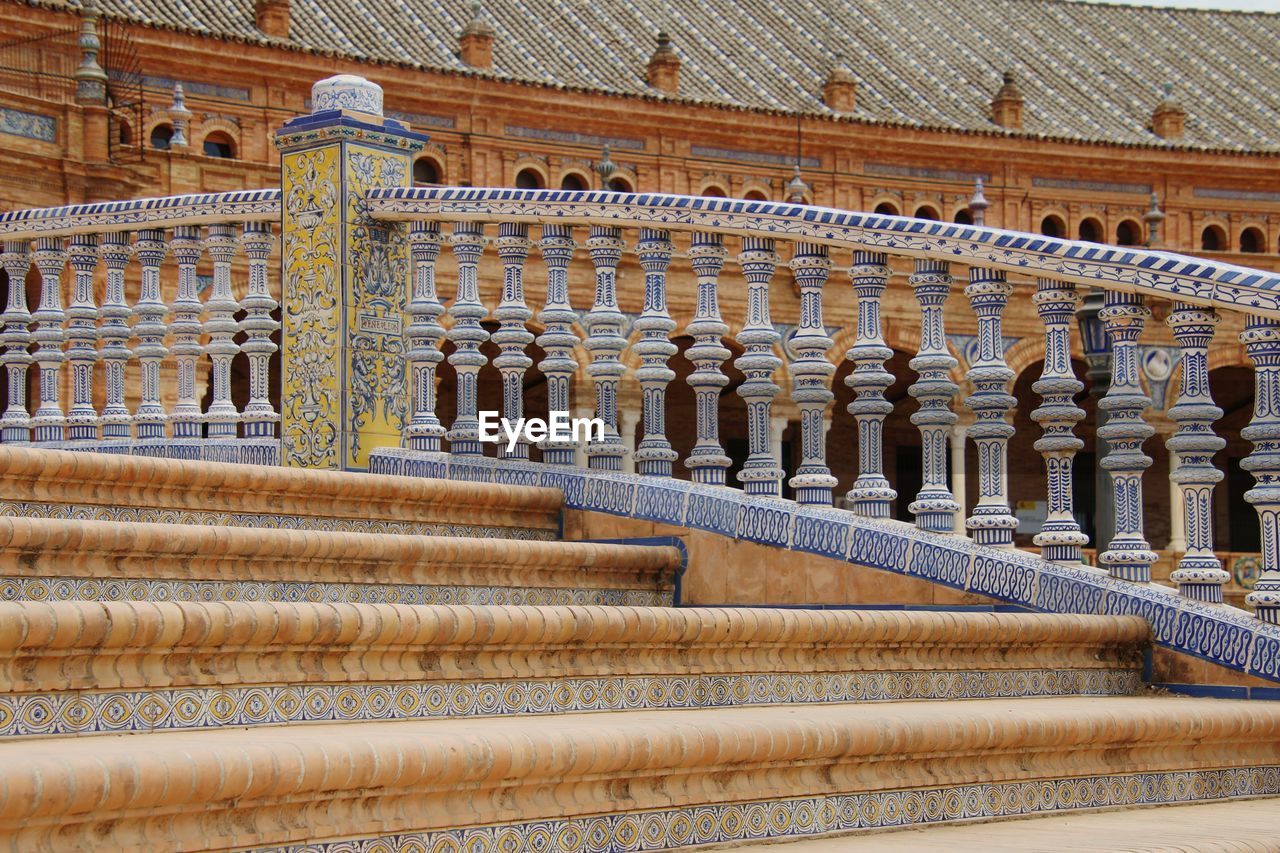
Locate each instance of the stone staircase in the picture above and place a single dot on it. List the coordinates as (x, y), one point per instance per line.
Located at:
(202, 656)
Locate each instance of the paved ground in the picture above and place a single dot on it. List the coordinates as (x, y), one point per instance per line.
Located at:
(1245, 825)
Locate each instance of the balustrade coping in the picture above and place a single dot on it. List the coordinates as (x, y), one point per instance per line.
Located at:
(165, 211)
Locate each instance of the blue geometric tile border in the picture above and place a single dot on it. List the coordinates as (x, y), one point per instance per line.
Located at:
(1221, 634)
(739, 822)
(99, 712)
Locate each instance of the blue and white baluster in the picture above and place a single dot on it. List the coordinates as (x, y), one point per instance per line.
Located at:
(654, 455)
(558, 338)
(1128, 556)
(871, 495)
(82, 337)
(606, 343)
(467, 335)
(1199, 574)
(186, 329)
(760, 474)
(991, 522)
(259, 417)
(15, 425)
(48, 423)
(424, 333)
(1060, 538)
(934, 507)
(221, 327)
(1261, 339)
(811, 376)
(707, 461)
(150, 329)
(114, 331)
(512, 336)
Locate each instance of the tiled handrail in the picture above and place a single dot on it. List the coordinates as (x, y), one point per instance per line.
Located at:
(239, 206)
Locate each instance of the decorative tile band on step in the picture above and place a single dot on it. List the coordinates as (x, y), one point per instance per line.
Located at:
(737, 822)
(1218, 633)
(86, 512)
(247, 451)
(142, 589)
(203, 707)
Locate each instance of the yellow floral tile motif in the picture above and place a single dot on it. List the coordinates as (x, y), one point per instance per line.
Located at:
(378, 269)
(311, 309)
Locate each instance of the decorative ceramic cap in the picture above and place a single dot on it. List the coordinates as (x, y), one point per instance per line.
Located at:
(347, 92)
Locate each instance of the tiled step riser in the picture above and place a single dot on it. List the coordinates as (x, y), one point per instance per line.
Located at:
(831, 767)
(79, 667)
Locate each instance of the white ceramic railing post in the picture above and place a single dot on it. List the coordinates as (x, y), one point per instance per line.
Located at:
(512, 337)
(221, 327)
(114, 331)
(707, 462)
(558, 338)
(82, 337)
(1261, 339)
(15, 425)
(991, 522)
(654, 456)
(934, 507)
(811, 375)
(49, 424)
(186, 329)
(760, 474)
(1191, 449)
(150, 329)
(260, 417)
(1128, 556)
(871, 494)
(1060, 538)
(467, 335)
(605, 343)
(424, 333)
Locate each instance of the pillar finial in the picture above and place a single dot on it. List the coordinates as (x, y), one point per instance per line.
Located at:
(91, 80)
(1153, 218)
(978, 203)
(181, 117)
(797, 188)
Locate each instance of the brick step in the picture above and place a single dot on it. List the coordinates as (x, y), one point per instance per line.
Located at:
(60, 559)
(86, 667)
(631, 780)
(106, 487)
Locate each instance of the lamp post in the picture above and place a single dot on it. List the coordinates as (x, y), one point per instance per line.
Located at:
(1097, 352)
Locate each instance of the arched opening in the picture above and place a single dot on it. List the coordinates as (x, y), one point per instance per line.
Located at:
(926, 211)
(221, 145)
(963, 217)
(1251, 240)
(713, 191)
(426, 172)
(573, 181)
(125, 134)
(755, 195)
(1213, 239)
(1128, 233)
(887, 208)
(620, 185)
(1053, 226)
(529, 179)
(161, 136)
(1090, 230)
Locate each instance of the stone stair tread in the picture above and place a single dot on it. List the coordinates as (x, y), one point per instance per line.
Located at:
(374, 778)
(1239, 826)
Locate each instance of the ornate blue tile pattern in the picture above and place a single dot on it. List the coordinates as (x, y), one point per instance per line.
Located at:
(738, 822)
(29, 125)
(1223, 635)
(168, 211)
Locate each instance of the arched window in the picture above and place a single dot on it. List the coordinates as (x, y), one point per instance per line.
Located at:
(755, 195)
(1251, 240)
(529, 179)
(713, 191)
(1091, 230)
(1213, 239)
(573, 181)
(620, 185)
(219, 144)
(426, 172)
(925, 211)
(1128, 233)
(161, 135)
(964, 217)
(126, 133)
(886, 208)
(1053, 226)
